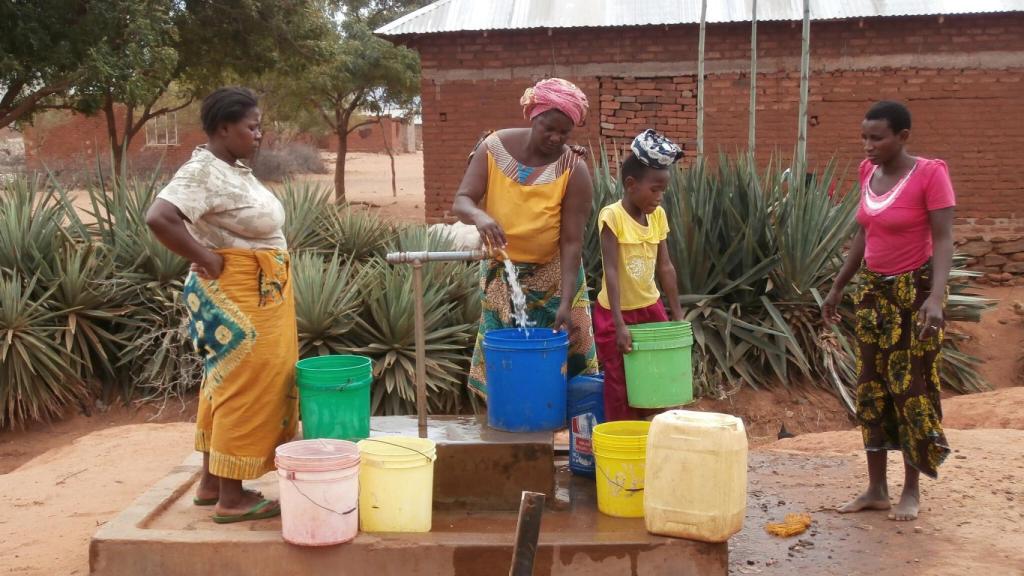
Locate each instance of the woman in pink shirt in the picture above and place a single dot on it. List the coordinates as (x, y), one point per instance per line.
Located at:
(903, 251)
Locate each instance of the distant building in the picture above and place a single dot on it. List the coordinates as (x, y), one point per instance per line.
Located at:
(71, 143)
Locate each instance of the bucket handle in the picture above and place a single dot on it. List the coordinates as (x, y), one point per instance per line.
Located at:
(399, 446)
(669, 345)
(291, 478)
(340, 387)
(614, 483)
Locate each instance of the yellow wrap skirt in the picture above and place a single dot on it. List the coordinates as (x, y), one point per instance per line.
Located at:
(243, 325)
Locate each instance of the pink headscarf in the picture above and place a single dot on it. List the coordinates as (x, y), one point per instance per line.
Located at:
(555, 94)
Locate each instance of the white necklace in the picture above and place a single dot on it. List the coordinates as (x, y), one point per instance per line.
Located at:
(874, 205)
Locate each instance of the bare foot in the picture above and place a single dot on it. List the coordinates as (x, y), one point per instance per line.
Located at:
(907, 508)
(869, 500)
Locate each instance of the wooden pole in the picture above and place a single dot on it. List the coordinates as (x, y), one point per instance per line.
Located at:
(421, 349)
(531, 508)
(700, 80)
(751, 137)
(800, 165)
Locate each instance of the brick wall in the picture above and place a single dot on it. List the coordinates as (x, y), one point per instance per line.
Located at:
(67, 143)
(70, 144)
(370, 138)
(960, 75)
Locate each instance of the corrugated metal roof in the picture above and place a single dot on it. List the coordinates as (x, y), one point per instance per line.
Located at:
(466, 15)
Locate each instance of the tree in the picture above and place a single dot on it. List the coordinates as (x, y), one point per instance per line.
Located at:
(158, 56)
(356, 72)
(42, 54)
(381, 107)
(134, 66)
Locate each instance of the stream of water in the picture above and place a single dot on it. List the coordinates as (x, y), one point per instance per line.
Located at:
(518, 297)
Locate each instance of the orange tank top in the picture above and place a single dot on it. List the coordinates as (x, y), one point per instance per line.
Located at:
(526, 201)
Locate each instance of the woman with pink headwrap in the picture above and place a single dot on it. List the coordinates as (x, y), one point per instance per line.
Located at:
(530, 195)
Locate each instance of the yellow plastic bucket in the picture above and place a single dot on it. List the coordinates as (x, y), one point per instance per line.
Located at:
(620, 454)
(396, 484)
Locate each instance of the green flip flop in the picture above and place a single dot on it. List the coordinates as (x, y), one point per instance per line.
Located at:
(263, 509)
(211, 501)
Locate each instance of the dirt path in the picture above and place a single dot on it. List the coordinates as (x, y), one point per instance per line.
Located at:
(368, 183)
(54, 503)
(969, 524)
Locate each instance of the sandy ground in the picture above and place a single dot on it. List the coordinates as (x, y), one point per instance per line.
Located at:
(368, 183)
(969, 524)
(96, 466)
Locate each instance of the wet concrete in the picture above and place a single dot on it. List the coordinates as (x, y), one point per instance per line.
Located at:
(484, 469)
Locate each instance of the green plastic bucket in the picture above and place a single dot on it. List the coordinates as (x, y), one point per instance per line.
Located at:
(334, 396)
(659, 370)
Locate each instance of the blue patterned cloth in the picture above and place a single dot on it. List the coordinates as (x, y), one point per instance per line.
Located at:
(655, 150)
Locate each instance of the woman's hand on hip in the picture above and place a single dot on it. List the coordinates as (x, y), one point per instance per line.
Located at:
(490, 231)
(931, 318)
(830, 307)
(210, 268)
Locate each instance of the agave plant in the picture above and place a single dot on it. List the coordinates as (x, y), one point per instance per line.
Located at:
(95, 309)
(328, 298)
(117, 220)
(31, 234)
(386, 330)
(157, 358)
(357, 233)
(38, 378)
(308, 212)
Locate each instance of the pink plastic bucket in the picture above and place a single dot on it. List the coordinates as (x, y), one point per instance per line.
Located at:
(319, 485)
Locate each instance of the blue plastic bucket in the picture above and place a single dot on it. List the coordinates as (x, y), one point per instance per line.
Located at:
(586, 410)
(526, 384)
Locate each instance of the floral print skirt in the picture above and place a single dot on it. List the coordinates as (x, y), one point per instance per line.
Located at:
(898, 382)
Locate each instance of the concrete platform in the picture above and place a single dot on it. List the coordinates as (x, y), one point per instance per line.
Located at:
(163, 534)
(484, 469)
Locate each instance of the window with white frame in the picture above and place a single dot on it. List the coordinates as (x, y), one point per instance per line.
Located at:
(162, 130)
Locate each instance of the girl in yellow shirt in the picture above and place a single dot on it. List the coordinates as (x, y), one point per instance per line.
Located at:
(633, 249)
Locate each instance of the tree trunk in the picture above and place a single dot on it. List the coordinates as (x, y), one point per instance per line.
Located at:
(391, 155)
(116, 150)
(339, 166)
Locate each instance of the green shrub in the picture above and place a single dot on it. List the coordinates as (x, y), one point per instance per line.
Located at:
(277, 162)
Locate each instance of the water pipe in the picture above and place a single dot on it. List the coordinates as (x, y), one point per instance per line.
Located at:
(416, 259)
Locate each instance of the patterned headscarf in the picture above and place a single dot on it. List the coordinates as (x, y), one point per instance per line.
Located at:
(655, 151)
(555, 94)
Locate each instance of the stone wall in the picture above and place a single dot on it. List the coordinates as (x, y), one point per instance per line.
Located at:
(1000, 258)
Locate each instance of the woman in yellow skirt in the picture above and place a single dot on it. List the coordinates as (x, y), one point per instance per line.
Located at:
(215, 213)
